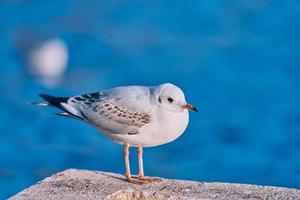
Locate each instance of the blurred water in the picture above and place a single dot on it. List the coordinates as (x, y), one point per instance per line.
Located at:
(237, 61)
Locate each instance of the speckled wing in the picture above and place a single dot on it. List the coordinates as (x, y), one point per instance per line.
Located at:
(110, 113)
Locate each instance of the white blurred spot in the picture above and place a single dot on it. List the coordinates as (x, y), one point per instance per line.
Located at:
(49, 61)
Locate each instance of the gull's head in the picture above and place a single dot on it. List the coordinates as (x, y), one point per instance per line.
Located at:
(171, 98)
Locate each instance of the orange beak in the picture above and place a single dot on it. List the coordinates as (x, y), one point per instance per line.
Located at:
(190, 107)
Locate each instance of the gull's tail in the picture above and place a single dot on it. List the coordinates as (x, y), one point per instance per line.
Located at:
(61, 103)
(51, 101)
(40, 103)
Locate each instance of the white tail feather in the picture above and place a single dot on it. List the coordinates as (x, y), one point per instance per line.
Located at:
(40, 103)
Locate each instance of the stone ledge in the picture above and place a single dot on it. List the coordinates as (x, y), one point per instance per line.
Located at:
(83, 184)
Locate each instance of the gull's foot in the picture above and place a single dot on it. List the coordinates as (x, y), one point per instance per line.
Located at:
(149, 179)
(135, 180)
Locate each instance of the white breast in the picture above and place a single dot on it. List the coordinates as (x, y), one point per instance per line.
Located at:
(165, 126)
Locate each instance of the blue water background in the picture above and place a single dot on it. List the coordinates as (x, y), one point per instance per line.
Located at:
(237, 61)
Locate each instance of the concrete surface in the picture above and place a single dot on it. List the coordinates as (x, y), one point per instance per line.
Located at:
(83, 184)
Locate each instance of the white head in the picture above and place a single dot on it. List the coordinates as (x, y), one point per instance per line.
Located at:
(171, 98)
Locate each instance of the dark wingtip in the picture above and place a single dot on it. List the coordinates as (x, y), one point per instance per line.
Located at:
(54, 101)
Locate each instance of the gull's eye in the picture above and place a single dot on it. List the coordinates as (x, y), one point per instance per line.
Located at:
(170, 100)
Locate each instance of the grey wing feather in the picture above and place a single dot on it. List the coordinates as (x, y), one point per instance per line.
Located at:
(110, 114)
(116, 119)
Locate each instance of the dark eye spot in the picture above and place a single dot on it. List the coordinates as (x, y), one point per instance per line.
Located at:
(170, 100)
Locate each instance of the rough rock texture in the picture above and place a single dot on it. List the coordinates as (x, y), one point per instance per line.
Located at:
(83, 184)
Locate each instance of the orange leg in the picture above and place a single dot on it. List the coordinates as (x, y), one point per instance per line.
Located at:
(141, 175)
(141, 166)
(129, 178)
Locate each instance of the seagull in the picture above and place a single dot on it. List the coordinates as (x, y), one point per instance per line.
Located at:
(134, 116)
